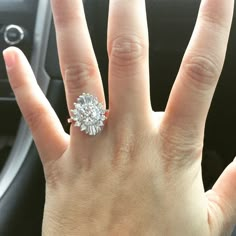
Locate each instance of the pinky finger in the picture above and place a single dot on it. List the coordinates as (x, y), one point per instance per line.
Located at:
(48, 134)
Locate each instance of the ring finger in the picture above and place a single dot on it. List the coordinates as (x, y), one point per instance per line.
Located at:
(128, 55)
(77, 59)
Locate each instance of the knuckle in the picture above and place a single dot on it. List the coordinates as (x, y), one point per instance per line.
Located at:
(34, 119)
(65, 14)
(213, 21)
(54, 175)
(17, 85)
(126, 50)
(178, 147)
(124, 148)
(202, 70)
(219, 207)
(78, 76)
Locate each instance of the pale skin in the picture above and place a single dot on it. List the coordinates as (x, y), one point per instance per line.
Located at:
(142, 174)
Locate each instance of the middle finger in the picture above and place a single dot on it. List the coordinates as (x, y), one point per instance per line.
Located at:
(128, 56)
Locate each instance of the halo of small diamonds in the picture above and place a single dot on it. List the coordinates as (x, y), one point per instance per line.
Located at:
(88, 114)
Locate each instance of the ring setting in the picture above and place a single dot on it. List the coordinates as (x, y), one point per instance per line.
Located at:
(88, 114)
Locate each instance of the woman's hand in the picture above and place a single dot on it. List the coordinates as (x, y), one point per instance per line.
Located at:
(142, 174)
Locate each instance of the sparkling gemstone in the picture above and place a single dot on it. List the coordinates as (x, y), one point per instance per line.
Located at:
(88, 114)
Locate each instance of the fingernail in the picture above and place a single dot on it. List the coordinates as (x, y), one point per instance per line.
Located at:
(9, 58)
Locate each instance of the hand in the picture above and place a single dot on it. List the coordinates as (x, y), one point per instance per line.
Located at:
(142, 174)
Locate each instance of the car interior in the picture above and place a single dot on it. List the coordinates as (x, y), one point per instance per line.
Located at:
(28, 24)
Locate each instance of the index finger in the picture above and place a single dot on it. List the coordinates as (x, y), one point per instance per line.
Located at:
(200, 70)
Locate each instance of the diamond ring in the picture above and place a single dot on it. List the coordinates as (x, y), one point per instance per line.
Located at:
(88, 114)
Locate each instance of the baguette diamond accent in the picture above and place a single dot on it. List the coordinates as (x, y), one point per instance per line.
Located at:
(88, 114)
